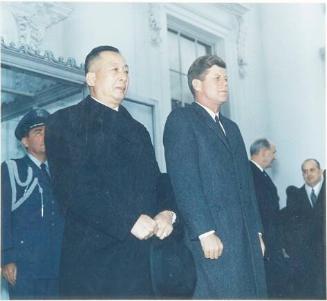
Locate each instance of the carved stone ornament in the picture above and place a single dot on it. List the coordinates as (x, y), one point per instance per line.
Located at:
(46, 56)
(34, 18)
(154, 24)
(241, 37)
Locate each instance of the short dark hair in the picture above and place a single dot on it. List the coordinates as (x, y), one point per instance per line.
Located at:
(95, 53)
(310, 159)
(199, 67)
(258, 145)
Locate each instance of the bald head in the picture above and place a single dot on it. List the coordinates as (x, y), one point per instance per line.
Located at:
(311, 172)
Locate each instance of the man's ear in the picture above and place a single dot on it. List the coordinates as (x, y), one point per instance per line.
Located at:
(197, 84)
(90, 79)
(24, 142)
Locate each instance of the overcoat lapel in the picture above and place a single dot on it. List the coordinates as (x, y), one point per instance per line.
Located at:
(203, 114)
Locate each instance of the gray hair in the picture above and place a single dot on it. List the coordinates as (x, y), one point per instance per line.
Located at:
(258, 145)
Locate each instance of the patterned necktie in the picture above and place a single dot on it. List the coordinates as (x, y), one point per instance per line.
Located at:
(44, 171)
(313, 197)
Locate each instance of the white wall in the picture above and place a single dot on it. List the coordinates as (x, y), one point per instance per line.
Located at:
(292, 35)
(281, 96)
(252, 103)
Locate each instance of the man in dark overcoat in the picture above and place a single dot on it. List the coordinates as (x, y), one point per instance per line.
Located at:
(305, 227)
(32, 223)
(210, 173)
(105, 172)
(263, 155)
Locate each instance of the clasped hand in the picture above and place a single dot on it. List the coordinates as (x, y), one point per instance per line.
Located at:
(161, 226)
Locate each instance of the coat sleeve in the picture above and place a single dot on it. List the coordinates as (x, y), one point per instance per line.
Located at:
(98, 208)
(8, 249)
(183, 167)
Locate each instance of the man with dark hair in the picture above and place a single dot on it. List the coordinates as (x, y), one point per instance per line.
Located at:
(262, 156)
(305, 229)
(105, 172)
(32, 224)
(211, 177)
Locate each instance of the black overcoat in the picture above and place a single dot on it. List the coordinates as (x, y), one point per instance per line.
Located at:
(105, 173)
(213, 186)
(305, 228)
(276, 265)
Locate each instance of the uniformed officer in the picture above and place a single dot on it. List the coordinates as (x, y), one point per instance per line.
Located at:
(32, 223)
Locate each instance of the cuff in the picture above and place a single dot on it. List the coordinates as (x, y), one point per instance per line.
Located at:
(206, 234)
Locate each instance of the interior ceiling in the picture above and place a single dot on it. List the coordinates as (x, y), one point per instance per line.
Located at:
(23, 87)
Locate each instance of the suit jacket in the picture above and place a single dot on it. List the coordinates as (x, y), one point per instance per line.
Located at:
(214, 190)
(30, 239)
(307, 223)
(105, 172)
(306, 244)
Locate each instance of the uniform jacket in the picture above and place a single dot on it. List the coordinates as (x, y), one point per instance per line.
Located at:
(214, 190)
(30, 240)
(105, 172)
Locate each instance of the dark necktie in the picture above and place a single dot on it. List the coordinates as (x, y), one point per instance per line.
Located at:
(313, 197)
(219, 126)
(44, 172)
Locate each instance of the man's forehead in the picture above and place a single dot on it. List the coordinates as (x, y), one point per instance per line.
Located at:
(107, 58)
(216, 70)
(309, 165)
(112, 56)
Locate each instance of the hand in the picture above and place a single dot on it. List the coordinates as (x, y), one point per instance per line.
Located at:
(164, 222)
(285, 254)
(144, 227)
(262, 244)
(9, 272)
(212, 246)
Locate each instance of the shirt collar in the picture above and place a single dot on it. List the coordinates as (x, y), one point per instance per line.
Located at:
(97, 100)
(36, 161)
(316, 188)
(210, 112)
(257, 165)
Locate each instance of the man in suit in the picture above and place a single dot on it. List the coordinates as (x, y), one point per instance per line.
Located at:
(211, 177)
(262, 156)
(32, 224)
(105, 173)
(306, 225)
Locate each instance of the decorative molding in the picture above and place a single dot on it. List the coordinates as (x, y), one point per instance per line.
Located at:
(235, 9)
(34, 78)
(34, 18)
(322, 52)
(46, 56)
(240, 44)
(154, 24)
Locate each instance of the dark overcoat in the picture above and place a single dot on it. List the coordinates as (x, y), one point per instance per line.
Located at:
(305, 228)
(268, 203)
(104, 171)
(31, 238)
(213, 186)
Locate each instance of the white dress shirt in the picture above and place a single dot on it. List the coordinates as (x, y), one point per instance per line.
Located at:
(99, 101)
(257, 165)
(38, 162)
(213, 115)
(316, 189)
